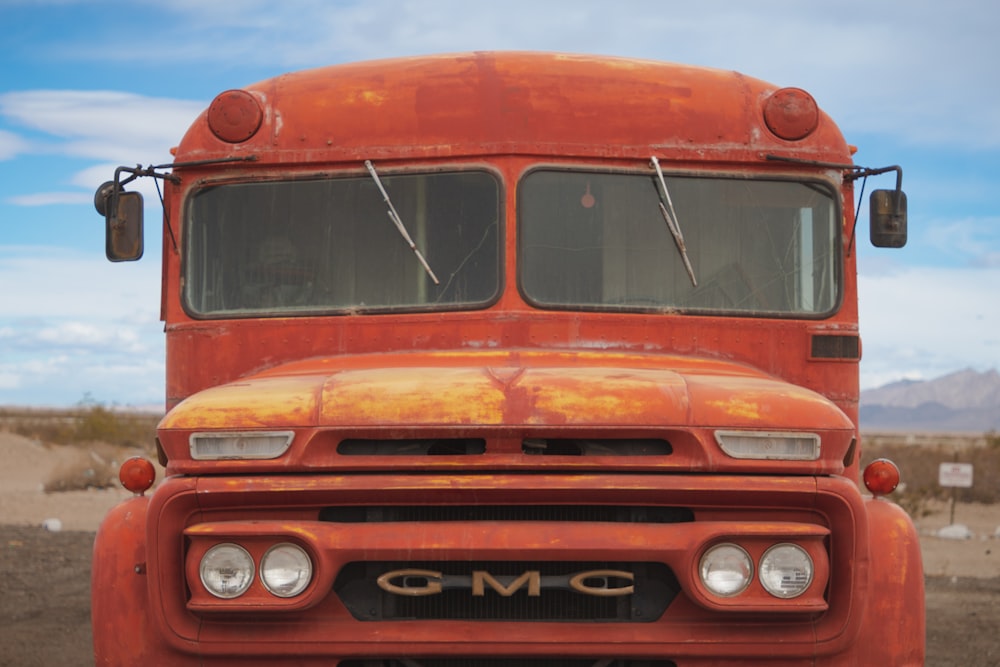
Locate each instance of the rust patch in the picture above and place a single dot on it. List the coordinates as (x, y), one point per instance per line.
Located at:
(737, 407)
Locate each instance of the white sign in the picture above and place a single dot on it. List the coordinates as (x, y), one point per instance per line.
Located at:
(955, 474)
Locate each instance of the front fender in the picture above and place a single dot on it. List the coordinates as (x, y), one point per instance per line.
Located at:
(893, 630)
(119, 598)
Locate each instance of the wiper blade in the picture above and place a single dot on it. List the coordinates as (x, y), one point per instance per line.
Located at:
(671, 217)
(396, 220)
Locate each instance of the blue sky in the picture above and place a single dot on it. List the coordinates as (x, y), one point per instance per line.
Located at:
(86, 86)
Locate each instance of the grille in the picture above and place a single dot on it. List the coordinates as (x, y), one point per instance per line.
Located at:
(507, 591)
(511, 662)
(554, 513)
(596, 447)
(830, 346)
(532, 446)
(413, 447)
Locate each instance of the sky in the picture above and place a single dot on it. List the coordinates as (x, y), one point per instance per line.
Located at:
(86, 86)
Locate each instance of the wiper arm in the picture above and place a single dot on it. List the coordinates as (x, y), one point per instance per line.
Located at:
(396, 220)
(671, 218)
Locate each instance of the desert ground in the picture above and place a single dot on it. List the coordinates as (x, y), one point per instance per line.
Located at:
(45, 612)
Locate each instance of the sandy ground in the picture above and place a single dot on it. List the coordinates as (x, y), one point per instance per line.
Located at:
(976, 556)
(25, 468)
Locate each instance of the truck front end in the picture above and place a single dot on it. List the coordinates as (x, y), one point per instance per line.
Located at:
(495, 383)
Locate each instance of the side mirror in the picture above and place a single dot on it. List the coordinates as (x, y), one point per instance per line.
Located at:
(887, 217)
(122, 213)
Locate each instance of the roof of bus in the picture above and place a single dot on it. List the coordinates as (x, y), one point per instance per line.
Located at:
(513, 103)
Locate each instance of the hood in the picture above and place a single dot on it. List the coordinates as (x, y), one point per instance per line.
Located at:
(509, 389)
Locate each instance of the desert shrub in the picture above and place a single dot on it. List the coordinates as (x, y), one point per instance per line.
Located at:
(88, 423)
(919, 466)
(91, 465)
(96, 439)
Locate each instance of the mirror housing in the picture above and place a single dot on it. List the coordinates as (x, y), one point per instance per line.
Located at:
(123, 227)
(887, 218)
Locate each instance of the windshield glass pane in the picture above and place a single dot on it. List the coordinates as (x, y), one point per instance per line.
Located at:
(314, 246)
(592, 240)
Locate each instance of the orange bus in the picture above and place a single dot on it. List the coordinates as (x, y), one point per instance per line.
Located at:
(509, 359)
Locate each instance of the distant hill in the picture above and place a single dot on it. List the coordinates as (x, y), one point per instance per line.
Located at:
(966, 401)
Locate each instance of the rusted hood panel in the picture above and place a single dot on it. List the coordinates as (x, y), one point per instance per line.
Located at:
(511, 388)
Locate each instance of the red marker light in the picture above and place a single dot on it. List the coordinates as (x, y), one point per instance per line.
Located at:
(881, 477)
(234, 116)
(791, 113)
(137, 475)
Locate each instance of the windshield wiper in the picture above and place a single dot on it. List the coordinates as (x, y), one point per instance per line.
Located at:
(396, 220)
(671, 218)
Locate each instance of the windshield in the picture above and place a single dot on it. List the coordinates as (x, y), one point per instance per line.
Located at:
(312, 246)
(598, 240)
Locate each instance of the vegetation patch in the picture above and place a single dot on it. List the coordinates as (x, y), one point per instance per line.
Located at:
(919, 459)
(96, 440)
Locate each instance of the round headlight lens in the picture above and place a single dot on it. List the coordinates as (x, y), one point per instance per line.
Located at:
(226, 570)
(786, 570)
(286, 570)
(726, 570)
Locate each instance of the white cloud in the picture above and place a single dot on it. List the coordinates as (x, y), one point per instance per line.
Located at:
(50, 198)
(49, 281)
(101, 125)
(11, 145)
(112, 127)
(971, 240)
(62, 380)
(915, 70)
(74, 324)
(9, 380)
(922, 322)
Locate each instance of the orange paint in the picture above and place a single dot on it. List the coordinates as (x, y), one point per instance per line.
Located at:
(513, 421)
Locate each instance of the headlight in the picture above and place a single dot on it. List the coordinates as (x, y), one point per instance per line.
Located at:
(248, 445)
(226, 570)
(285, 570)
(786, 570)
(726, 570)
(769, 446)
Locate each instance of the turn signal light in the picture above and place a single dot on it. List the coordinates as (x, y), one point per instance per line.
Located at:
(240, 445)
(881, 477)
(791, 114)
(137, 475)
(234, 116)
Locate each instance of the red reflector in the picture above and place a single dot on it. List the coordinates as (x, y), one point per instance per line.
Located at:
(234, 116)
(881, 477)
(791, 113)
(137, 474)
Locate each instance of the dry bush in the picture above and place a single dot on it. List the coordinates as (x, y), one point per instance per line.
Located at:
(919, 466)
(95, 440)
(91, 465)
(87, 424)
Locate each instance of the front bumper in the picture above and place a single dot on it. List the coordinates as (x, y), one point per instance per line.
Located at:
(823, 514)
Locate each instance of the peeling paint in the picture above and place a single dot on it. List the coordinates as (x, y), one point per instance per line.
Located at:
(737, 407)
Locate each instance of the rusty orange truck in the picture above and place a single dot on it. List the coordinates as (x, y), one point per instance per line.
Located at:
(509, 359)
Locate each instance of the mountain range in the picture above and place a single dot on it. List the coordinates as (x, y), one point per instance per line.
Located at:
(966, 401)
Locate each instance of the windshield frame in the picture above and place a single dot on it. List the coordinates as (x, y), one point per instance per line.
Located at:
(357, 173)
(825, 185)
